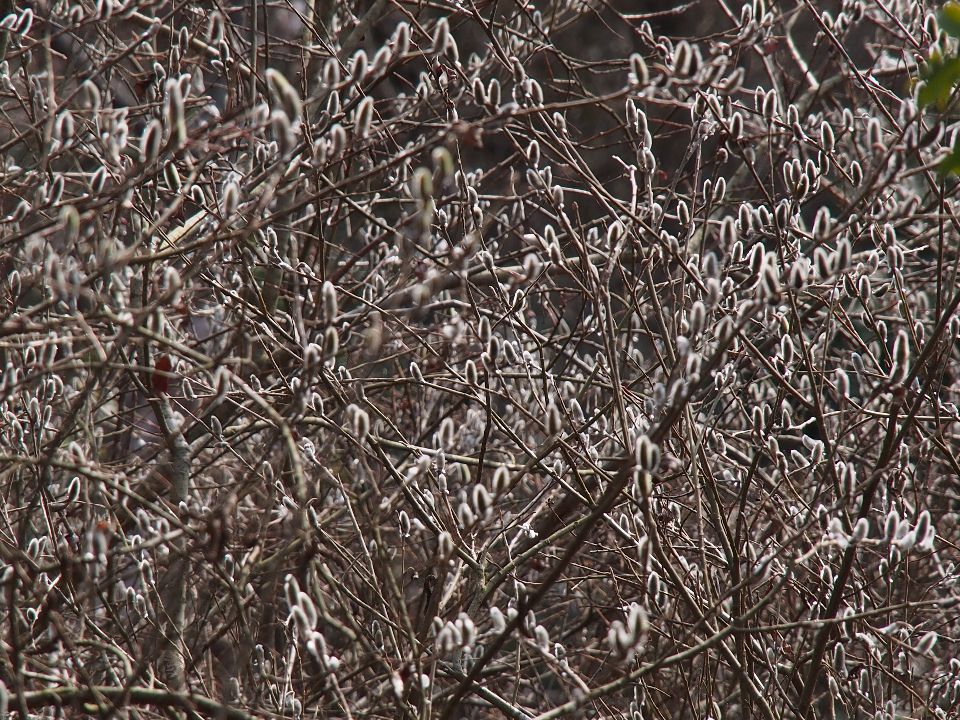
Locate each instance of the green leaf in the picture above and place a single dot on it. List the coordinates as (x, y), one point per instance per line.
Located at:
(950, 165)
(949, 18)
(939, 78)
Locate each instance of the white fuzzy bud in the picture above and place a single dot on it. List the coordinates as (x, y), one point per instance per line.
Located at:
(284, 94)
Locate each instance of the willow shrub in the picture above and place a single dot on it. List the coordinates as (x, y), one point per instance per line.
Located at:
(478, 359)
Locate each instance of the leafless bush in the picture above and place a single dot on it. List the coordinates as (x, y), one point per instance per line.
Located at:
(477, 359)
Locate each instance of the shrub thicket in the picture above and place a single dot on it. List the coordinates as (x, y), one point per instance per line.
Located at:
(480, 358)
